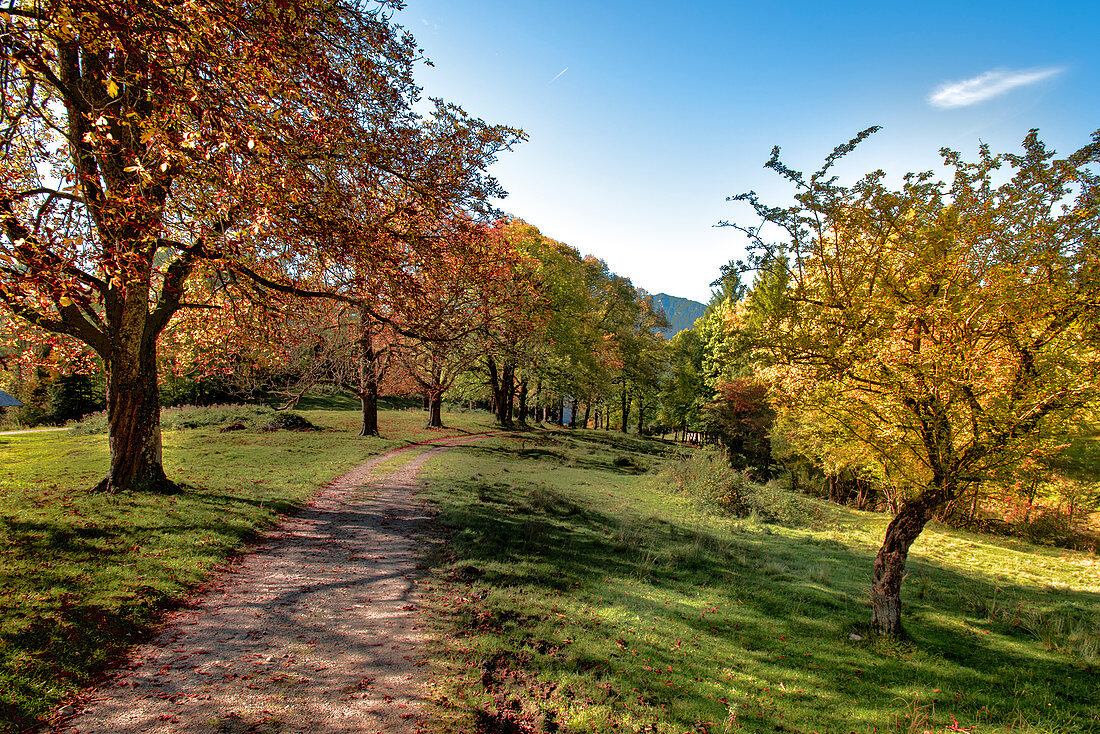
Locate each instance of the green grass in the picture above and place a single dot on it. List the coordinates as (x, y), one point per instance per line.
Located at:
(83, 576)
(582, 596)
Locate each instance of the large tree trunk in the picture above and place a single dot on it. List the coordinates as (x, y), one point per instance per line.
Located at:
(502, 384)
(889, 567)
(133, 420)
(368, 378)
(435, 411)
(587, 412)
(573, 412)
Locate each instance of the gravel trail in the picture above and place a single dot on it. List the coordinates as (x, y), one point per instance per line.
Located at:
(316, 630)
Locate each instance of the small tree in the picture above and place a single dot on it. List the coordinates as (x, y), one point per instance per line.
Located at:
(945, 328)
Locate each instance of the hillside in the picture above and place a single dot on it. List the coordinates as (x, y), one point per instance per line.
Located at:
(681, 312)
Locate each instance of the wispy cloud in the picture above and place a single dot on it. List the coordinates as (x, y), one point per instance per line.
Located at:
(558, 75)
(987, 86)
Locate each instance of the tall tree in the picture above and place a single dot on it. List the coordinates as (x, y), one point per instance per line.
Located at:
(944, 328)
(176, 137)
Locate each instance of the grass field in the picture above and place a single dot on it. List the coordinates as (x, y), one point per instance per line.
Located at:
(83, 575)
(573, 589)
(582, 595)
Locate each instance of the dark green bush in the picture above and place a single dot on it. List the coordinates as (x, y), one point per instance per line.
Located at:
(288, 422)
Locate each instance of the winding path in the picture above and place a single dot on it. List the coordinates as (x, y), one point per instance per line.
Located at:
(317, 630)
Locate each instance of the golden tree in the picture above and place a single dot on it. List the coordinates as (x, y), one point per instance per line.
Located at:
(942, 330)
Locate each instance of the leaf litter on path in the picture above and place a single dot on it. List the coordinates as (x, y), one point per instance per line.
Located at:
(316, 630)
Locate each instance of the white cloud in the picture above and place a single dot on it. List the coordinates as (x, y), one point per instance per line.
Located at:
(987, 86)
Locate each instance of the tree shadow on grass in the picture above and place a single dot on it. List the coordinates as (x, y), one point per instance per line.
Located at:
(80, 589)
(768, 608)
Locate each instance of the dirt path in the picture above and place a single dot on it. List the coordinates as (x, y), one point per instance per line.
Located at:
(34, 430)
(315, 631)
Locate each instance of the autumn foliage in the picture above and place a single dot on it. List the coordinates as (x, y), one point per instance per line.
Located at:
(161, 156)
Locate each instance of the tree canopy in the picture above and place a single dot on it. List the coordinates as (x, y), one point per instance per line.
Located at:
(942, 330)
(147, 143)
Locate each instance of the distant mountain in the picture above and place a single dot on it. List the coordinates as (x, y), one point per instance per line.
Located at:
(681, 312)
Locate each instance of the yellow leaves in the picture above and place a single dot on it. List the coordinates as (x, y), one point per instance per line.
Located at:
(112, 88)
(65, 301)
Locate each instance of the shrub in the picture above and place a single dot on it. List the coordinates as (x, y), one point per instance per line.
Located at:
(190, 416)
(288, 422)
(1048, 527)
(629, 463)
(707, 474)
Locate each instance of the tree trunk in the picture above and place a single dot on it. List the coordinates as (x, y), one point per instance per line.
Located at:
(502, 385)
(561, 411)
(494, 385)
(523, 402)
(889, 567)
(641, 417)
(510, 391)
(587, 412)
(435, 411)
(625, 406)
(369, 402)
(368, 378)
(573, 412)
(133, 421)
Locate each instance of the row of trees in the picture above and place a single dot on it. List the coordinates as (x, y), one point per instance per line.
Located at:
(162, 162)
(512, 319)
(252, 190)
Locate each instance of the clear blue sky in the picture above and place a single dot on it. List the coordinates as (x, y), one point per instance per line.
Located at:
(643, 116)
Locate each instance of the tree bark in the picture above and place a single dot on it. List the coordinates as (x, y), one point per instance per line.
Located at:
(523, 402)
(510, 386)
(435, 411)
(133, 420)
(494, 385)
(502, 384)
(587, 412)
(889, 569)
(573, 412)
(368, 378)
(625, 407)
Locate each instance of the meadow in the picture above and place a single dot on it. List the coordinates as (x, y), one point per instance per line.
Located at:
(583, 592)
(83, 575)
(571, 586)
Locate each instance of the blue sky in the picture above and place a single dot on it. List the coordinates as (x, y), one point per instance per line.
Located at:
(643, 116)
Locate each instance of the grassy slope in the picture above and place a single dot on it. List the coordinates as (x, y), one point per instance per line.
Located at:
(586, 597)
(83, 576)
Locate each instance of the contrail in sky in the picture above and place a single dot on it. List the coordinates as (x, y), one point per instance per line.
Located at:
(558, 76)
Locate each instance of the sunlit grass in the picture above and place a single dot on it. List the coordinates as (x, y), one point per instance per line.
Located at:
(593, 598)
(84, 575)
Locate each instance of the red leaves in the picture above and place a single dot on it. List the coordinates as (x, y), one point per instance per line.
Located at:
(955, 726)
